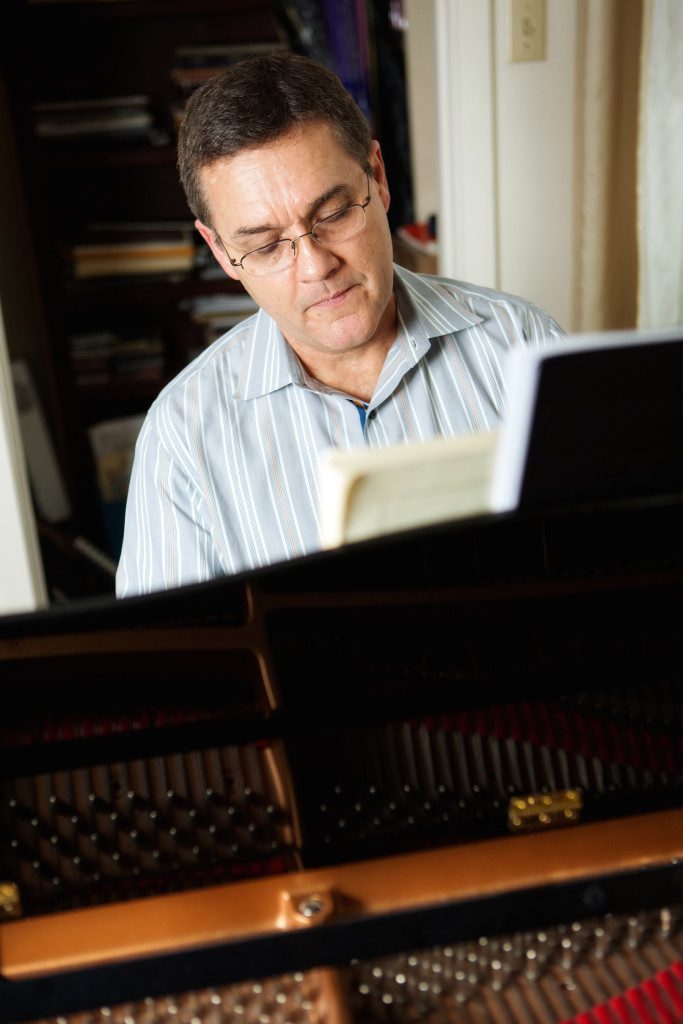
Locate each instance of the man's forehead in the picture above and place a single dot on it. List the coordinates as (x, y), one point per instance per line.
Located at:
(257, 187)
(295, 153)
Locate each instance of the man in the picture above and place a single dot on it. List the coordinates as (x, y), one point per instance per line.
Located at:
(290, 194)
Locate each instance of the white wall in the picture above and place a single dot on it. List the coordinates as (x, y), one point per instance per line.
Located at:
(508, 153)
(420, 68)
(535, 164)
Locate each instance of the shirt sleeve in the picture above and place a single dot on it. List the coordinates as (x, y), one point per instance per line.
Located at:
(165, 543)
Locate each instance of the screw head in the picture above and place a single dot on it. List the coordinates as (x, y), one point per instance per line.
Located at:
(311, 906)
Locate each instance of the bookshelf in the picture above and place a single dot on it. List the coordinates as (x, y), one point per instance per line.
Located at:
(94, 94)
(95, 91)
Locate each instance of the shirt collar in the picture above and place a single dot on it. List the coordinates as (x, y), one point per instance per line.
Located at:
(268, 362)
(429, 308)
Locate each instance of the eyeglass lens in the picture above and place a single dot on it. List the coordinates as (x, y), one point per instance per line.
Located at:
(338, 228)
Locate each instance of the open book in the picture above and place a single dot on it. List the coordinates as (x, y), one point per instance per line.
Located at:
(596, 417)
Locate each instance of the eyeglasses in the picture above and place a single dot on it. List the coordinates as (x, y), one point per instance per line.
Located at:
(280, 255)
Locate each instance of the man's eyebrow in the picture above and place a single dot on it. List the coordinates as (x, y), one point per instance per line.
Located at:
(263, 229)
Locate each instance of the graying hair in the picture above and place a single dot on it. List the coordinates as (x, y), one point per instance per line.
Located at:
(257, 101)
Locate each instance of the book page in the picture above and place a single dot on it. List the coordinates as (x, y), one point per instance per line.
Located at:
(511, 455)
(372, 492)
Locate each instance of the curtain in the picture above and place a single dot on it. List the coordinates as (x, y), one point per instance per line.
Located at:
(605, 253)
(660, 166)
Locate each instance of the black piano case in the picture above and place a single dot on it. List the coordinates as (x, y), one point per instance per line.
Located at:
(437, 777)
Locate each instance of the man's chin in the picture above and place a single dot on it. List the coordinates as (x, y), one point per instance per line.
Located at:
(351, 330)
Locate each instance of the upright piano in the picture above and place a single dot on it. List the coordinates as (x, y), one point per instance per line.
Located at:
(433, 777)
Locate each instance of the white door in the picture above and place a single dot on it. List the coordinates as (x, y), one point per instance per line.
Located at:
(22, 580)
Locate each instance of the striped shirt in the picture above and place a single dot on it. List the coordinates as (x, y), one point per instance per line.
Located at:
(225, 471)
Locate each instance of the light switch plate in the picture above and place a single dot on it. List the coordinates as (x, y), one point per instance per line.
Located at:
(526, 29)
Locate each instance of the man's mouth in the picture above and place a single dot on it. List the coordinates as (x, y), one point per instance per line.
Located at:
(330, 301)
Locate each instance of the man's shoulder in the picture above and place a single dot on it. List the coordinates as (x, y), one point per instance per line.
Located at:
(502, 315)
(468, 293)
(224, 355)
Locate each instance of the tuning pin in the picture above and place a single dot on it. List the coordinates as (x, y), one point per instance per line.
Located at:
(21, 810)
(665, 922)
(100, 806)
(177, 802)
(60, 807)
(139, 803)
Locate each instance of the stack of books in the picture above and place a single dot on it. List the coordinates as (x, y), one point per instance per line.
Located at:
(416, 246)
(112, 443)
(135, 248)
(216, 314)
(113, 118)
(194, 65)
(101, 358)
(81, 1)
(139, 360)
(421, 236)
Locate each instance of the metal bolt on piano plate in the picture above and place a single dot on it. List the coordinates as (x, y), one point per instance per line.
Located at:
(544, 810)
(10, 900)
(311, 907)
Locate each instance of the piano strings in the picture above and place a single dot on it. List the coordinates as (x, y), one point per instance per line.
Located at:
(180, 820)
(616, 969)
(134, 828)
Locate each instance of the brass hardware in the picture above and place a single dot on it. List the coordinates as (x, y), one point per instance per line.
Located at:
(10, 900)
(544, 810)
(303, 909)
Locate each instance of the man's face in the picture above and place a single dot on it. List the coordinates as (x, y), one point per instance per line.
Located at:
(332, 300)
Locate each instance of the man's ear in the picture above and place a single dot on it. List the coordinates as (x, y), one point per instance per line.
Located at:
(376, 162)
(217, 249)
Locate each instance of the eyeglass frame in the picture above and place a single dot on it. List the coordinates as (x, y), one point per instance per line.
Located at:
(294, 241)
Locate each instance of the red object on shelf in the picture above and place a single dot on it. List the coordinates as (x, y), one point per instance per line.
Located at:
(418, 236)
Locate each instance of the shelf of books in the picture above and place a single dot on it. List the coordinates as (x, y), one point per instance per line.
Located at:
(75, 158)
(129, 9)
(130, 291)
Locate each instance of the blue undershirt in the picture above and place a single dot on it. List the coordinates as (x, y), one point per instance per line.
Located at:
(362, 410)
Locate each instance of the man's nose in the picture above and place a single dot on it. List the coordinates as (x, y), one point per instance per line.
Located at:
(314, 261)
